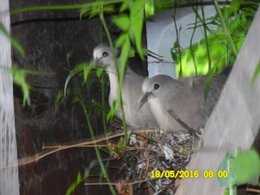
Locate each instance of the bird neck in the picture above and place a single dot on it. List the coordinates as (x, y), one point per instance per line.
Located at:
(113, 80)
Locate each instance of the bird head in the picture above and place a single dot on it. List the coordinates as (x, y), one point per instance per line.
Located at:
(156, 87)
(104, 56)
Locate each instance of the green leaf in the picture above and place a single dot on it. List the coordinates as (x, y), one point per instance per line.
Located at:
(123, 59)
(174, 55)
(109, 9)
(121, 39)
(231, 191)
(112, 112)
(99, 72)
(100, 8)
(79, 68)
(241, 168)
(149, 9)
(124, 6)
(234, 6)
(256, 73)
(226, 191)
(131, 53)
(120, 144)
(245, 166)
(122, 21)
(97, 106)
(19, 78)
(13, 41)
(59, 98)
(137, 20)
(79, 180)
(95, 11)
(84, 11)
(87, 70)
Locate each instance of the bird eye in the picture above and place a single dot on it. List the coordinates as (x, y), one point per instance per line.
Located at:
(156, 86)
(104, 54)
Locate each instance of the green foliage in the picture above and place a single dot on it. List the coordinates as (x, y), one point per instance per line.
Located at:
(224, 43)
(84, 69)
(242, 168)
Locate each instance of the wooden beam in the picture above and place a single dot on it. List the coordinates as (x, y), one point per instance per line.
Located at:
(235, 120)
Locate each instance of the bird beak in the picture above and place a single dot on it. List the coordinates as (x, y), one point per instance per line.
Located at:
(97, 62)
(144, 99)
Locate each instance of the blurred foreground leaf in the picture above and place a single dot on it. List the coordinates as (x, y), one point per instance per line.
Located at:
(13, 41)
(242, 168)
(256, 73)
(19, 78)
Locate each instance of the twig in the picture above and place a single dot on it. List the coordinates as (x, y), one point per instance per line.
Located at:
(91, 142)
(160, 62)
(177, 39)
(48, 150)
(253, 190)
(130, 183)
(183, 124)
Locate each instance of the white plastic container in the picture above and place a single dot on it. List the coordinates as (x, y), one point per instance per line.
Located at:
(161, 35)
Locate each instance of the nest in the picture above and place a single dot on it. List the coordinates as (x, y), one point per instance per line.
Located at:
(154, 152)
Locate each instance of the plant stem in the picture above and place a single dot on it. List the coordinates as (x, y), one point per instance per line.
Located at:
(64, 7)
(191, 41)
(118, 78)
(103, 169)
(225, 28)
(206, 36)
(177, 40)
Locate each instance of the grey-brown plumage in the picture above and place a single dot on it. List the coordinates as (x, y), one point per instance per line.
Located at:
(185, 97)
(131, 90)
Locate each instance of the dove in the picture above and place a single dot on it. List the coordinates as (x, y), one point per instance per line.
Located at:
(131, 89)
(172, 101)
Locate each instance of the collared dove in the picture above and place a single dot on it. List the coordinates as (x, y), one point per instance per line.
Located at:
(183, 98)
(131, 90)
